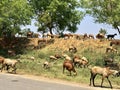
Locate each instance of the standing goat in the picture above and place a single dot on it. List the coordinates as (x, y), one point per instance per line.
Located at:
(104, 72)
(111, 36)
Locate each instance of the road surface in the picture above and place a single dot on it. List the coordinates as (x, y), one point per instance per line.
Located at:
(18, 82)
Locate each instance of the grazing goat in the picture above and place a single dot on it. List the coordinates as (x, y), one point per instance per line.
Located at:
(100, 36)
(68, 64)
(57, 56)
(66, 57)
(111, 36)
(80, 61)
(108, 60)
(72, 49)
(111, 49)
(91, 36)
(115, 42)
(85, 36)
(46, 65)
(104, 72)
(52, 57)
(10, 63)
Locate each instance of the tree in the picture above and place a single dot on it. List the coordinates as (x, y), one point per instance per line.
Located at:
(103, 11)
(103, 31)
(58, 15)
(13, 14)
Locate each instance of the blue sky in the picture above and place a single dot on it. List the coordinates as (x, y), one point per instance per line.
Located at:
(87, 25)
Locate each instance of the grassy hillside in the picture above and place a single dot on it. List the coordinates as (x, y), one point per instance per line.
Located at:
(93, 50)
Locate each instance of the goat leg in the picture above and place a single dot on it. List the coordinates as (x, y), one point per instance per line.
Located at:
(102, 81)
(94, 79)
(109, 82)
(90, 79)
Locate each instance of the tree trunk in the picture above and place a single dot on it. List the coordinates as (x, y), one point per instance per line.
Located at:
(51, 32)
(118, 29)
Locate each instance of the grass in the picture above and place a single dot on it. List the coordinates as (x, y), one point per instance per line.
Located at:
(93, 50)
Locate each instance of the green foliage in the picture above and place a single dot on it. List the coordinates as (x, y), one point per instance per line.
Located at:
(103, 11)
(13, 14)
(59, 15)
(103, 31)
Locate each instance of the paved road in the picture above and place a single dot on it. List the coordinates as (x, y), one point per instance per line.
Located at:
(16, 82)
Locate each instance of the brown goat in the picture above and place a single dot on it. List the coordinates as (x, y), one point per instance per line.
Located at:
(111, 49)
(2, 59)
(29, 34)
(80, 61)
(68, 65)
(91, 36)
(72, 49)
(104, 72)
(115, 42)
(100, 36)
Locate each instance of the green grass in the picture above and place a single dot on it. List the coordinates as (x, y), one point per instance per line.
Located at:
(35, 67)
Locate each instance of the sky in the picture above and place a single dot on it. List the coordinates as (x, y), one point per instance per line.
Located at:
(87, 25)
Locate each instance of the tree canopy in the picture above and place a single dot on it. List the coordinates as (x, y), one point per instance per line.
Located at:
(13, 14)
(103, 11)
(58, 15)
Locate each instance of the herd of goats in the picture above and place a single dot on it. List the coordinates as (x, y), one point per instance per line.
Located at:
(70, 64)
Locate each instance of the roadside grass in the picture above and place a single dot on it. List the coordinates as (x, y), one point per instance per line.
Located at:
(95, 57)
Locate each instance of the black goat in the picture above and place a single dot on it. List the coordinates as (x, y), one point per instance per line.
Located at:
(111, 36)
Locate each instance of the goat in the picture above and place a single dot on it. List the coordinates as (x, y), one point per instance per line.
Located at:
(10, 63)
(80, 61)
(1, 59)
(57, 56)
(73, 49)
(66, 57)
(46, 65)
(111, 49)
(111, 36)
(91, 36)
(52, 57)
(100, 36)
(76, 60)
(29, 34)
(68, 64)
(115, 42)
(108, 60)
(104, 72)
